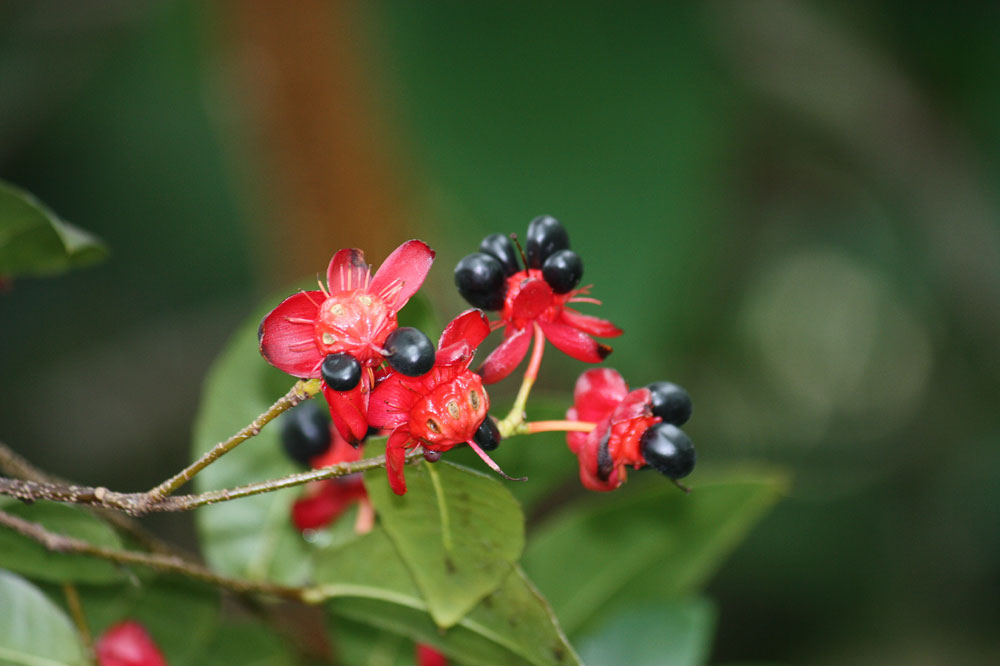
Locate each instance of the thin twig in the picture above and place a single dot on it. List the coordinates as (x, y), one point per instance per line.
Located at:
(79, 619)
(64, 544)
(302, 390)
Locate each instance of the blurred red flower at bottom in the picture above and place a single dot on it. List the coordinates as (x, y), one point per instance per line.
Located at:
(324, 501)
(128, 644)
(428, 656)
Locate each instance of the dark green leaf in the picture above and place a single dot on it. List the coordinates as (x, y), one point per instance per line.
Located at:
(368, 582)
(360, 644)
(180, 615)
(251, 537)
(670, 633)
(647, 541)
(247, 644)
(458, 531)
(21, 554)
(33, 630)
(34, 241)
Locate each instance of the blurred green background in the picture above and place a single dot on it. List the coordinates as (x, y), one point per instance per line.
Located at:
(790, 207)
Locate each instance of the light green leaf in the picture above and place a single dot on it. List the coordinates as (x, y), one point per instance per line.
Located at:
(368, 582)
(251, 537)
(670, 633)
(457, 530)
(648, 541)
(33, 630)
(34, 241)
(30, 558)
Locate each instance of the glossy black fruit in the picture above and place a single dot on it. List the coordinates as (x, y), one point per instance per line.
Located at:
(502, 249)
(411, 353)
(563, 270)
(341, 371)
(545, 237)
(487, 436)
(668, 450)
(305, 432)
(481, 281)
(670, 402)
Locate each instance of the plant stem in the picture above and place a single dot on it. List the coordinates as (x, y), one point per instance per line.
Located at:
(302, 390)
(555, 426)
(64, 544)
(79, 619)
(510, 423)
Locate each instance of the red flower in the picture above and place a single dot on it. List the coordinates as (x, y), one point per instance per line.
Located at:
(530, 300)
(440, 409)
(601, 396)
(324, 501)
(353, 313)
(128, 644)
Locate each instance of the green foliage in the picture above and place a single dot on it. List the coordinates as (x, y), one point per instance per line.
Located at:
(33, 630)
(246, 644)
(458, 532)
(645, 541)
(35, 242)
(30, 558)
(368, 582)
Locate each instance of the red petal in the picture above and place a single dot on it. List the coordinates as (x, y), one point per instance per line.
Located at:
(459, 353)
(402, 273)
(128, 644)
(287, 335)
(347, 271)
(532, 299)
(390, 403)
(319, 509)
(589, 463)
(395, 459)
(502, 361)
(576, 343)
(602, 328)
(340, 451)
(428, 656)
(349, 410)
(471, 326)
(598, 391)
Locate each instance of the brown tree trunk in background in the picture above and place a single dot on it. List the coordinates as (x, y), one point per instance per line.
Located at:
(319, 155)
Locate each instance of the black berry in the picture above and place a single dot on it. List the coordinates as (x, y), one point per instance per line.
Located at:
(563, 270)
(670, 402)
(480, 279)
(668, 450)
(487, 436)
(502, 249)
(341, 371)
(305, 433)
(410, 351)
(545, 237)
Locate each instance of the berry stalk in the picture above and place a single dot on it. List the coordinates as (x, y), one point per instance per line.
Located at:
(510, 423)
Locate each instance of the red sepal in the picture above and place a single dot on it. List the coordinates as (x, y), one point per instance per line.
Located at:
(502, 360)
(575, 343)
(428, 656)
(287, 335)
(349, 410)
(395, 459)
(347, 271)
(128, 644)
(325, 501)
(402, 273)
(602, 328)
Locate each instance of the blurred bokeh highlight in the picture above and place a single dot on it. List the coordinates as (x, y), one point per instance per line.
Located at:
(790, 207)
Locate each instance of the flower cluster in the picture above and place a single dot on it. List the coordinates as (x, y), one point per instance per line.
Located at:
(380, 377)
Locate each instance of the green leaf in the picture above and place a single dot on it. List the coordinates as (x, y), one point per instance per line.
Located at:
(33, 630)
(247, 644)
(647, 541)
(251, 537)
(457, 530)
(360, 644)
(30, 558)
(179, 614)
(34, 241)
(368, 582)
(671, 633)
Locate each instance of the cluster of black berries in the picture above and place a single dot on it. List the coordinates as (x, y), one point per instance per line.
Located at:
(409, 352)
(665, 447)
(482, 277)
